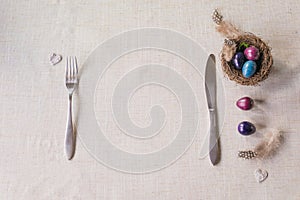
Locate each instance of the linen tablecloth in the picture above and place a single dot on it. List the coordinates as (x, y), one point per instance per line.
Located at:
(34, 101)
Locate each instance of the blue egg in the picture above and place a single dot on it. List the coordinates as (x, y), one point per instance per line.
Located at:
(238, 60)
(249, 68)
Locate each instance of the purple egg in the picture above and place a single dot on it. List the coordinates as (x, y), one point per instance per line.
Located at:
(251, 53)
(238, 60)
(244, 103)
(246, 128)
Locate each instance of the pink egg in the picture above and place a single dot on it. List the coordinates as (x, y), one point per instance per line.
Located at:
(251, 53)
(245, 103)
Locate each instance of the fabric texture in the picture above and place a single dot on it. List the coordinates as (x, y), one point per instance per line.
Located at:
(34, 101)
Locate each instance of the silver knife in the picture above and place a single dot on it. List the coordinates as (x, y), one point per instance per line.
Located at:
(210, 89)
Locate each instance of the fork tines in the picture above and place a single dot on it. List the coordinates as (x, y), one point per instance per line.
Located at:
(71, 69)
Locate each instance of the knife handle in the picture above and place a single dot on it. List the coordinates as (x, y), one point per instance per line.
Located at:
(213, 138)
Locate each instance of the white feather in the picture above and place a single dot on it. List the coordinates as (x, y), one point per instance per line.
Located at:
(269, 145)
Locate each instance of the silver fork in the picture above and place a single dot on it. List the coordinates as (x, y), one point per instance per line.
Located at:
(71, 83)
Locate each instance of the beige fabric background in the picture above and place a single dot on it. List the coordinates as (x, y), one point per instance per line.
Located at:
(33, 101)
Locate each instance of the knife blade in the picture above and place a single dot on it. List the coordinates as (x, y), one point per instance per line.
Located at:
(210, 89)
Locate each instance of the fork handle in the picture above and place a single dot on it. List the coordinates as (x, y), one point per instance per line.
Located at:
(70, 135)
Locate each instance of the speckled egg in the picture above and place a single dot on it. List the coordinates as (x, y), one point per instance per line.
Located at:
(251, 53)
(249, 69)
(238, 60)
